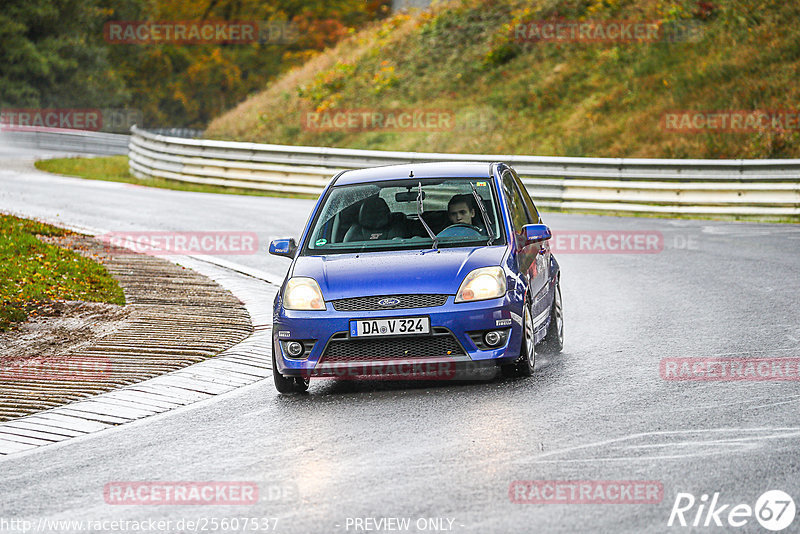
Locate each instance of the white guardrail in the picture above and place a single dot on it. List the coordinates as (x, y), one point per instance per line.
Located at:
(63, 140)
(759, 188)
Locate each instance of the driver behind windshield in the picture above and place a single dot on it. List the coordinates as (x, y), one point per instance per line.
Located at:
(460, 209)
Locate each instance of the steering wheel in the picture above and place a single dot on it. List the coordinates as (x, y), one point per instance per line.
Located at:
(462, 225)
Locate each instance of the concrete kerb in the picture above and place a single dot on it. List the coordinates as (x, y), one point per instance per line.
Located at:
(240, 366)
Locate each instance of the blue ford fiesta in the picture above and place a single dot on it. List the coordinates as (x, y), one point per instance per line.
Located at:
(416, 270)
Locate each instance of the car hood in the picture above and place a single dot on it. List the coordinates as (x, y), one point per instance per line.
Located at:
(395, 273)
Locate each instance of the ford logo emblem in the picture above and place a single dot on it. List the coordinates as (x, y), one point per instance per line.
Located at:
(389, 302)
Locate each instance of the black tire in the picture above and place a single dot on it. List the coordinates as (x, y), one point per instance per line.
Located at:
(527, 351)
(553, 341)
(287, 384)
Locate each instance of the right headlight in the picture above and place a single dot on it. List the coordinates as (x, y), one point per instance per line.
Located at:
(482, 284)
(303, 293)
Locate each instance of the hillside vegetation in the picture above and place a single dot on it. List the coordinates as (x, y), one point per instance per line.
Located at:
(547, 98)
(63, 54)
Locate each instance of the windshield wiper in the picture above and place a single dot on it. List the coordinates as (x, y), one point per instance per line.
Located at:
(482, 208)
(419, 214)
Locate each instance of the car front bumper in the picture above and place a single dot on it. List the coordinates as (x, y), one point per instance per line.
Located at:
(447, 352)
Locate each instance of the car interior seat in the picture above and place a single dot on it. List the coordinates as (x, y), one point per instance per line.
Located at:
(375, 221)
(345, 220)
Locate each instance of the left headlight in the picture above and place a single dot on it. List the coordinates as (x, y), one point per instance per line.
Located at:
(302, 293)
(481, 284)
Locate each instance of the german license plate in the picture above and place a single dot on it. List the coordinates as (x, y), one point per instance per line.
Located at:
(397, 326)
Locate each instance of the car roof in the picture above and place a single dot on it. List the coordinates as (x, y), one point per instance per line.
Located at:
(449, 169)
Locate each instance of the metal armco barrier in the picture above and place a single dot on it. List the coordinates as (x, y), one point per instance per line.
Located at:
(746, 188)
(63, 140)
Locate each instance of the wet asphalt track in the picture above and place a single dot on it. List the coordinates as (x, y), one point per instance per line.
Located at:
(598, 411)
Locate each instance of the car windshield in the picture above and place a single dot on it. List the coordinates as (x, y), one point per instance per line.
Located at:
(386, 216)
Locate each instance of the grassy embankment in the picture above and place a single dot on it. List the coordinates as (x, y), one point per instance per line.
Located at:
(600, 99)
(34, 274)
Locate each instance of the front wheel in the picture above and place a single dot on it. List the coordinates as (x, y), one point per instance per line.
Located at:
(553, 341)
(527, 352)
(287, 384)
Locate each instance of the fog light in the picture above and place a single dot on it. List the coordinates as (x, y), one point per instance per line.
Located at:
(493, 338)
(294, 348)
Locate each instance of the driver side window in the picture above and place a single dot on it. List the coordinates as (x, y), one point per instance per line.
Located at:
(516, 205)
(533, 213)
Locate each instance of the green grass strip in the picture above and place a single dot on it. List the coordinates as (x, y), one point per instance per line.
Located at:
(34, 273)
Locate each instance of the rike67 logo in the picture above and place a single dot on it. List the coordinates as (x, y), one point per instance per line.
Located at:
(774, 510)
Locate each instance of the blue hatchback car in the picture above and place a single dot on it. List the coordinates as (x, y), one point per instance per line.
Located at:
(413, 271)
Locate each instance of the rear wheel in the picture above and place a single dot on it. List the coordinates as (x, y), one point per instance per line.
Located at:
(287, 384)
(553, 341)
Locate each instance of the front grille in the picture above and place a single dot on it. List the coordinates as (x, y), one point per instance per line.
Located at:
(343, 349)
(405, 301)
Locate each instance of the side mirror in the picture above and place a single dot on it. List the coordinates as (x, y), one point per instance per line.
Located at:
(283, 247)
(536, 233)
